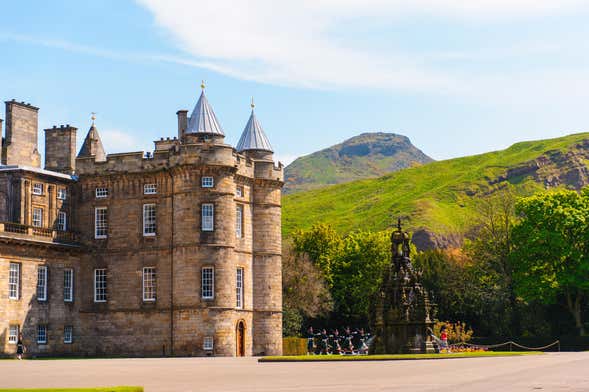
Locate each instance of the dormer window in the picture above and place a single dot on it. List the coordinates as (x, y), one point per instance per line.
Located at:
(149, 189)
(207, 182)
(37, 189)
(101, 193)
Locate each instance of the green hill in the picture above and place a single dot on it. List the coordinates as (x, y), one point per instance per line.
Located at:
(367, 155)
(439, 197)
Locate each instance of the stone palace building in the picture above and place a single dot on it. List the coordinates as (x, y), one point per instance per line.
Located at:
(174, 252)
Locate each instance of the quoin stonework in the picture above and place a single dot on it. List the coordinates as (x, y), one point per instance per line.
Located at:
(172, 252)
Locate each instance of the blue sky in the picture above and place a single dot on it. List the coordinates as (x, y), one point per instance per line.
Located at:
(457, 77)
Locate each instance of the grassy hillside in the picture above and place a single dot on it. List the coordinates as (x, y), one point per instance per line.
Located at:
(440, 196)
(367, 155)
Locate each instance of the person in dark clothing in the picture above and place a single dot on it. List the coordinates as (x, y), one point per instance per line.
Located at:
(335, 347)
(20, 347)
(324, 342)
(310, 341)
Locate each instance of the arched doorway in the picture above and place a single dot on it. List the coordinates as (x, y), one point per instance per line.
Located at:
(240, 336)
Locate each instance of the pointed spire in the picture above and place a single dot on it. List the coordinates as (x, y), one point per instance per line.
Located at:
(253, 137)
(203, 119)
(92, 145)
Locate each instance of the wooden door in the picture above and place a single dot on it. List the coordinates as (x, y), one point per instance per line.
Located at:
(240, 338)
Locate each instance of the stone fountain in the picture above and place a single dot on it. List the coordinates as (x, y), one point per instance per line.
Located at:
(402, 312)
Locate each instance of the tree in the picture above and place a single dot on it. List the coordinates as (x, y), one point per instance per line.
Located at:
(321, 244)
(358, 270)
(490, 250)
(551, 250)
(304, 291)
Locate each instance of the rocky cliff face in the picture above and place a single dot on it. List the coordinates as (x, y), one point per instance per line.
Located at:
(368, 155)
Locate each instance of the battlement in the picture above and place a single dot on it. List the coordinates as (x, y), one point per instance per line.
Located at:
(22, 104)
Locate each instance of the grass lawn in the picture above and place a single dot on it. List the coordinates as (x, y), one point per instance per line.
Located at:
(394, 357)
(107, 389)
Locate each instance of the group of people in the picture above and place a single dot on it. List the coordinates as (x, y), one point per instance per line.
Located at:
(349, 342)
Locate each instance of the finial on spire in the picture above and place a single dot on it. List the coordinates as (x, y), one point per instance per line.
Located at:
(202, 85)
(252, 104)
(93, 117)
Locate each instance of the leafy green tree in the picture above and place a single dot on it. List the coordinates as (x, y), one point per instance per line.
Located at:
(551, 250)
(357, 273)
(321, 244)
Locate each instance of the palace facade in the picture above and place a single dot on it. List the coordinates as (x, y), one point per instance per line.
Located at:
(173, 252)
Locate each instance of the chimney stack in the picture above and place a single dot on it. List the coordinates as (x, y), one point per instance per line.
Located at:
(182, 123)
(20, 147)
(60, 149)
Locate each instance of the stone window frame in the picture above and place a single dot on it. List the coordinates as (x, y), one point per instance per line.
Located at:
(207, 182)
(207, 282)
(42, 333)
(239, 221)
(150, 189)
(207, 222)
(68, 285)
(13, 332)
(101, 192)
(61, 193)
(42, 283)
(14, 281)
(37, 217)
(100, 285)
(38, 189)
(149, 219)
(208, 343)
(239, 283)
(149, 279)
(68, 334)
(62, 221)
(101, 228)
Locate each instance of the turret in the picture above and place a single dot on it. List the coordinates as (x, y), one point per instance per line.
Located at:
(203, 125)
(92, 146)
(253, 140)
(20, 143)
(267, 239)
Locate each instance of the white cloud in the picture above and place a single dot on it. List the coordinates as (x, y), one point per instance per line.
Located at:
(292, 42)
(115, 140)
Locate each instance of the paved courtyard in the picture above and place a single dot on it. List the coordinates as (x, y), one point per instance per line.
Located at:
(550, 372)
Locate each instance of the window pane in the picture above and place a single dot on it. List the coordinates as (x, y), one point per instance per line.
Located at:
(41, 334)
(207, 217)
(42, 283)
(37, 217)
(239, 288)
(149, 219)
(149, 189)
(68, 334)
(208, 282)
(101, 222)
(100, 285)
(239, 221)
(13, 334)
(207, 182)
(62, 221)
(68, 285)
(149, 284)
(14, 281)
(101, 192)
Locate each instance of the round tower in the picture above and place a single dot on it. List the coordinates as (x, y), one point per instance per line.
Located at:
(267, 239)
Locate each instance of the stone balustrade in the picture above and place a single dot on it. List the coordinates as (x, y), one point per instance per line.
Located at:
(17, 230)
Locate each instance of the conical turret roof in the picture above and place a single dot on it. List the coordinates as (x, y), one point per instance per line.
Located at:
(253, 136)
(92, 145)
(203, 119)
